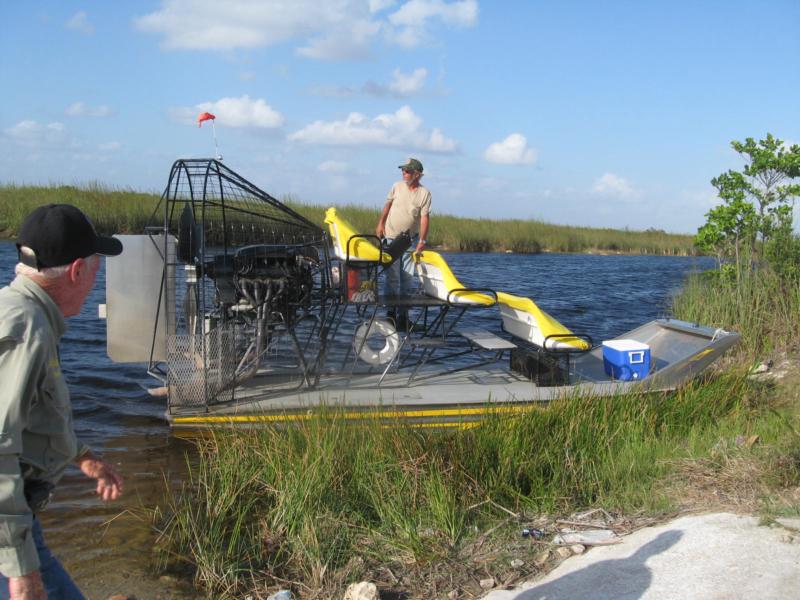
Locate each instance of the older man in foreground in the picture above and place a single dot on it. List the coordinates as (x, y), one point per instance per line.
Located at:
(59, 256)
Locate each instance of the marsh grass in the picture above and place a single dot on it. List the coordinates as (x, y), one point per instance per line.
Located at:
(757, 303)
(306, 503)
(111, 211)
(127, 211)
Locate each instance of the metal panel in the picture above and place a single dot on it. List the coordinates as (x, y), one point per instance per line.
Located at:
(135, 321)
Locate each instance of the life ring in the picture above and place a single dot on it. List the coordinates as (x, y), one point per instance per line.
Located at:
(371, 355)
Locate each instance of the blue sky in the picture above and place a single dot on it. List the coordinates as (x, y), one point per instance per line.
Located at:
(608, 114)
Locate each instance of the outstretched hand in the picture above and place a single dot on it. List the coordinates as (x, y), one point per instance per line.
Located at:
(109, 481)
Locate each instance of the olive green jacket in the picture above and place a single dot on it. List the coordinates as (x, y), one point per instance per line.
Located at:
(37, 439)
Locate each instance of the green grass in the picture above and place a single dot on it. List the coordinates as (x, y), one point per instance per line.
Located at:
(759, 304)
(318, 505)
(125, 211)
(111, 211)
(298, 504)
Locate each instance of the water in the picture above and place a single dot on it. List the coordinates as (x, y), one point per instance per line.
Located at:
(602, 296)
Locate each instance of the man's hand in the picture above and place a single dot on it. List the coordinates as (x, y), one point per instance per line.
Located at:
(27, 587)
(420, 247)
(109, 482)
(380, 231)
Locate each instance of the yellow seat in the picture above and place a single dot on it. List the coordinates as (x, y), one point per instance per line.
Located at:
(523, 319)
(360, 249)
(437, 280)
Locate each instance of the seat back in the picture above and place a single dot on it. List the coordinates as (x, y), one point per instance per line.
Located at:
(437, 280)
(346, 246)
(523, 319)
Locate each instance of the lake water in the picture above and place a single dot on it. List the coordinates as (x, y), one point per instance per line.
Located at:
(602, 296)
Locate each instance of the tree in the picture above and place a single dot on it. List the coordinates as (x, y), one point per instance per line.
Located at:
(765, 183)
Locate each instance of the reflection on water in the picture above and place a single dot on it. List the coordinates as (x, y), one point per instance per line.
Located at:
(107, 547)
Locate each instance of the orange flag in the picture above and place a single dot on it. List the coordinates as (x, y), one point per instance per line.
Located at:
(204, 117)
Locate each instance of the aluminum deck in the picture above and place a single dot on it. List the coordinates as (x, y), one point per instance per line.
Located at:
(679, 352)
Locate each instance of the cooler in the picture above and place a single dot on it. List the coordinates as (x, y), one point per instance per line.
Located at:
(626, 360)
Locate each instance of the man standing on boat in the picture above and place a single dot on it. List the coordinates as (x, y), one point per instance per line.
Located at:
(407, 208)
(59, 256)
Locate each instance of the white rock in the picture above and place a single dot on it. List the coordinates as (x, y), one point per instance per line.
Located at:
(578, 548)
(590, 537)
(453, 595)
(487, 584)
(363, 590)
(517, 563)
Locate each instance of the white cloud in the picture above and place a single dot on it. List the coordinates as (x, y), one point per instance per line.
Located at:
(33, 134)
(411, 21)
(610, 184)
(79, 109)
(79, 22)
(338, 28)
(402, 86)
(408, 84)
(401, 129)
(511, 151)
(343, 42)
(345, 29)
(334, 167)
(240, 112)
(109, 146)
(379, 5)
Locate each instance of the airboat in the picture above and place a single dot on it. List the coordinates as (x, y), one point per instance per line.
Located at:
(248, 313)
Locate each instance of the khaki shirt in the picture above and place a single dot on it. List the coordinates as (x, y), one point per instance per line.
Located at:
(37, 439)
(408, 206)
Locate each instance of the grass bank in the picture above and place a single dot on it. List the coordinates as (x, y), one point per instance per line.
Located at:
(323, 504)
(126, 211)
(757, 303)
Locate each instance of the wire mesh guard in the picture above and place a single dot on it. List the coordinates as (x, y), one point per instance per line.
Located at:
(248, 270)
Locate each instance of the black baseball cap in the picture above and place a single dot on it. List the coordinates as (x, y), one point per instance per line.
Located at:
(60, 233)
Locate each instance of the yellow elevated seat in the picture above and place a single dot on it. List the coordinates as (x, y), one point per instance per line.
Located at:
(360, 249)
(437, 280)
(523, 319)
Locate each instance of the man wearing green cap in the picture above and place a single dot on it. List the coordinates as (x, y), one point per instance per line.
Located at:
(407, 208)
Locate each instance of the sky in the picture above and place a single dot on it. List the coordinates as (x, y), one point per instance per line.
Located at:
(603, 113)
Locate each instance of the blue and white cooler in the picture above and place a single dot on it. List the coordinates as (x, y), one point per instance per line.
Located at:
(626, 360)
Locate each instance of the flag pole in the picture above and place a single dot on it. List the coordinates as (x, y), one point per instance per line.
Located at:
(216, 146)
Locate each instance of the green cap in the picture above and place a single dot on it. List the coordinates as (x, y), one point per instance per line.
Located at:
(412, 165)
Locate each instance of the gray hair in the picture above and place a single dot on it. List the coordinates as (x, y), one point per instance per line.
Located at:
(46, 272)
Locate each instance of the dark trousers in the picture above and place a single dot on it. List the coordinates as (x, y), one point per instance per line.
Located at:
(57, 582)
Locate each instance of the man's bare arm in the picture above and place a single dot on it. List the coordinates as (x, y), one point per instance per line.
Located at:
(424, 221)
(380, 230)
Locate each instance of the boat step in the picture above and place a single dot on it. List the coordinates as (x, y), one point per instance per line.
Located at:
(486, 339)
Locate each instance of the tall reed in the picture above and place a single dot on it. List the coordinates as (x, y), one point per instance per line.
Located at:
(127, 211)
(757, 303)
